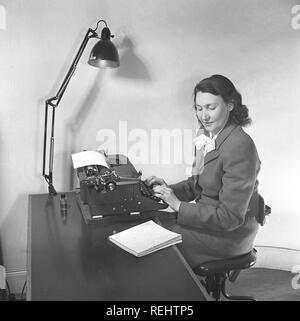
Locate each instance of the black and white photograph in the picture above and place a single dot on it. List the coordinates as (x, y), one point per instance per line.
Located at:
(149, 153)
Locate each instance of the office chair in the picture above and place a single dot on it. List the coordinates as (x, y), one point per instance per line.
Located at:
(217, 272)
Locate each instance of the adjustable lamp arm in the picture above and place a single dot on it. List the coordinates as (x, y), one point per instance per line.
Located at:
(90, 34)
(54, 102)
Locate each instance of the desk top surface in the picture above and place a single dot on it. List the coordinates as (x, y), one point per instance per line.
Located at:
(71, 260)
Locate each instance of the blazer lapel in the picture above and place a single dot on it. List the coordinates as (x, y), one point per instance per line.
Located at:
(210, 156)
(229, 127)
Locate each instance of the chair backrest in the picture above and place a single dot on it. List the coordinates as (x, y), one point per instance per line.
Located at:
(263, 210)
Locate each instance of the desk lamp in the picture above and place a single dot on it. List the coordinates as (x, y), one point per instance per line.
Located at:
(103, 55)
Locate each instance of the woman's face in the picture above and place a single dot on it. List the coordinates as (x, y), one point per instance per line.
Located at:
(212, 111)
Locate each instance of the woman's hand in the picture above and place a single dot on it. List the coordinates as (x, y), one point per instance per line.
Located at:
(153, 180)
(166, 193)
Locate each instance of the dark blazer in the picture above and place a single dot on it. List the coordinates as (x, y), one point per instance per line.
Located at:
(221, 223)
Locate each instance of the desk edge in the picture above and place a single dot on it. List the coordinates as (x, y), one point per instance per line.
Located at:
(192, 274)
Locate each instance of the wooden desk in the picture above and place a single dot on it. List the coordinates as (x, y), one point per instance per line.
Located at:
(70, 260)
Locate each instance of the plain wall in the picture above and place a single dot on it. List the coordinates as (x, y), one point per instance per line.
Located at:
(165, 47)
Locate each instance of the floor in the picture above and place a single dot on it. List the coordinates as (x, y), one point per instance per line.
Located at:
(267, 285)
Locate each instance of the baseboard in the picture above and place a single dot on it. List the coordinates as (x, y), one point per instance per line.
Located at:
(277, 258)
(16, 281)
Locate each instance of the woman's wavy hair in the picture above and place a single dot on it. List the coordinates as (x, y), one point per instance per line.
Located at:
(220, 85)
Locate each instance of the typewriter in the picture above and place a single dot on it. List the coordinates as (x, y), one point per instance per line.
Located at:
(114, 190)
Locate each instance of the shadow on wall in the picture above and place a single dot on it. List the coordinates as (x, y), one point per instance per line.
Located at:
(131, 66)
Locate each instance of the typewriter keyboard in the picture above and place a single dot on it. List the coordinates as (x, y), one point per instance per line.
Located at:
(148, 192)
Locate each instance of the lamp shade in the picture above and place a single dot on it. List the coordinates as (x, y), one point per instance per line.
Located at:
(104, 54)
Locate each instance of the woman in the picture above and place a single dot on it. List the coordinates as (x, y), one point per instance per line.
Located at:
(222, 221)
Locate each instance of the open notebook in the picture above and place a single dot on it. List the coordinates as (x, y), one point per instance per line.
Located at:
(145, 238)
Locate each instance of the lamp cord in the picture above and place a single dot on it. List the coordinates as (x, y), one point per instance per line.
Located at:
(98, 24)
